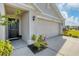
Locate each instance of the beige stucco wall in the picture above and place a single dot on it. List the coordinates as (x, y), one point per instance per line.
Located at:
(25, 27)
(2, 28)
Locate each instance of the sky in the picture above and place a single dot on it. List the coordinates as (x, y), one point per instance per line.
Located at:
(70, 11)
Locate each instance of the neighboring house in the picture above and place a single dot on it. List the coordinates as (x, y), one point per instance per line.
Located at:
(40, 18)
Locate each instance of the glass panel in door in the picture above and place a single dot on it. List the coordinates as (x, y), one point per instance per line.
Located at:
(13, 29)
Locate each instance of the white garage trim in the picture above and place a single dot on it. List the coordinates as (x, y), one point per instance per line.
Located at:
(56, 9)
(48, 19)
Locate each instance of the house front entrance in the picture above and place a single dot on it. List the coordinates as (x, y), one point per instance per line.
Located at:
(13, 29)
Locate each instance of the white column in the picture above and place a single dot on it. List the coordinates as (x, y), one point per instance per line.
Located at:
(2, 28)
(30, 28)
(26, 27)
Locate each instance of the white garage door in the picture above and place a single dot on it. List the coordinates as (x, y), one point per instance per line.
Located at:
(48, 28)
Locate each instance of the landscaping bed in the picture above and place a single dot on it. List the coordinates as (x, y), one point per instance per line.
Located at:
(39, 43)
(35, 49)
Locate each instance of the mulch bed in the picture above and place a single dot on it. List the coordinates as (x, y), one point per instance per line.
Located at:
(34, 49)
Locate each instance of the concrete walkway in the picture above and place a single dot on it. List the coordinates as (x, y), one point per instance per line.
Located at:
(20, 48)
(70, 47)
(57, 46)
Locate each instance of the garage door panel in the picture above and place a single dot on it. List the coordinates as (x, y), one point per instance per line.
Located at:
(46, 27)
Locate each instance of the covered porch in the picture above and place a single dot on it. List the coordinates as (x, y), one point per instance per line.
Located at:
(19, 30)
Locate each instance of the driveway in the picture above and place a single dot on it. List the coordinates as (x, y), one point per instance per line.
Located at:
(70, 47)
(57, 46)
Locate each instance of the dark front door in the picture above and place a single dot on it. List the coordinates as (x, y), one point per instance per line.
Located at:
(13, 29)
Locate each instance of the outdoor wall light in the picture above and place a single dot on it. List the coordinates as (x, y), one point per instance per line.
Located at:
(33, 18)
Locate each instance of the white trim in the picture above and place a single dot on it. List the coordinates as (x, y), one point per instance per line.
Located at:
(50, 16)
(21, 6)
(44, 13)
(48, 19)
(58, 12)
(37, 7)
(26, 6)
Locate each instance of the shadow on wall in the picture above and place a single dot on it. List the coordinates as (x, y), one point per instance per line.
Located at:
(55, 44)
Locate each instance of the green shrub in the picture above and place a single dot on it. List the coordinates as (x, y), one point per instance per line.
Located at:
(38, 45)
(34, 37)
(72, 33)
(40, 42)
(6, 48)
(41, 37)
